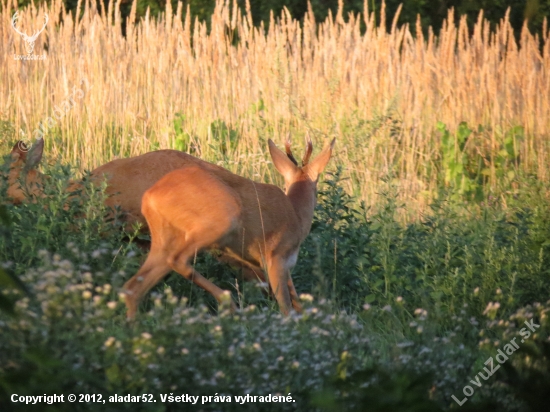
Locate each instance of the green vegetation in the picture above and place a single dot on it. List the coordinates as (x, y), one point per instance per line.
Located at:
(394, 100)
(398, 316)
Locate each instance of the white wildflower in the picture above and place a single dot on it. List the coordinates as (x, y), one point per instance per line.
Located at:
(306, 297)
(109, 342)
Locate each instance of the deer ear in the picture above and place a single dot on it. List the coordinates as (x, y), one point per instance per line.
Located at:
(34, 154)
(315, 168)
(19, 151)
(281, 161)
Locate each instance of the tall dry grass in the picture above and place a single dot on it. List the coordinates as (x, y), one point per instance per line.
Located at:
(380, 93)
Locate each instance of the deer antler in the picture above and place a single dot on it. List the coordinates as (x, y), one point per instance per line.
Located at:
(289, 151)
(309, 149)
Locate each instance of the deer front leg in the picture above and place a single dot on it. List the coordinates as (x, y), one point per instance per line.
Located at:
(279, 276)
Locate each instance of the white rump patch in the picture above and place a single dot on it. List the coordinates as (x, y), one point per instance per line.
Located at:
(291, 261)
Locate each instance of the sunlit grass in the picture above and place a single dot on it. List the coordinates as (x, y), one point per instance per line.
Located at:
(380, 93)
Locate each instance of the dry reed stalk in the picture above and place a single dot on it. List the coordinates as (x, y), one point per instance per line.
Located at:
(380, 93)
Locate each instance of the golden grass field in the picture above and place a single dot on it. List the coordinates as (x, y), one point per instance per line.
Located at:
(380, 93)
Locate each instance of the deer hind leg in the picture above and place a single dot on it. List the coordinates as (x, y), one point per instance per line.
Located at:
(294, 296)
(152, 271)
(181, 265)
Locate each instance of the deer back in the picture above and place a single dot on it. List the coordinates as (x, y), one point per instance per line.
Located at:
(129, 178)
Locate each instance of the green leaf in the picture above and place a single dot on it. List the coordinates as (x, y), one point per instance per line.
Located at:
(7, 280)
(4, 216)
(113, 373)
(370, 298)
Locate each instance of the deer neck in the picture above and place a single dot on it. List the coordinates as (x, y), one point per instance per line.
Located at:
(302, 196)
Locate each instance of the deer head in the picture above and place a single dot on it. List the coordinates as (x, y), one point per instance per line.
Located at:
(29, 40)
(23, 170)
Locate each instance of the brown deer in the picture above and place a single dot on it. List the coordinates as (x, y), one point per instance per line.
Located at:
(205, 207)
(127, 179)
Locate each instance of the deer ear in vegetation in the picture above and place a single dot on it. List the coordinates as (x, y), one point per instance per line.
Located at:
(34, 155)
(282, 163)
(19, 151)
(22, 170)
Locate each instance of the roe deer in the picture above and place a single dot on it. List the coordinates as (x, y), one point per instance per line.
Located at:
(205, 207)
(127, 181)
